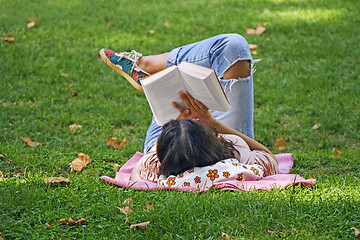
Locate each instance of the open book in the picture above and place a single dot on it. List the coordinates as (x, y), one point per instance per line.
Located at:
(162, 88)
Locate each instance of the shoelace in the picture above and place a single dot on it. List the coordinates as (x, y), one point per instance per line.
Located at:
(132, 55)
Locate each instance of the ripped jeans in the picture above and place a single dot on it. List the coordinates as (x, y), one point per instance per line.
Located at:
(219, 53)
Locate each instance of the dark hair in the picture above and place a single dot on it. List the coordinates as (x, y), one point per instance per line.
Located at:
(186, 143)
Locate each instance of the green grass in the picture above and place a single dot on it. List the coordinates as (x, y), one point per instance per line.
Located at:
(309, 74)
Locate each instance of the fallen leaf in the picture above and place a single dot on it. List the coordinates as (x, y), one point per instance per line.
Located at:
(125, 210)
(2, 177)
(141, 226)
(74, 127)
(116, 165)
(82, 220)
(128, 202)
(357, 232)
(280, 143)
(31, 24)
(167, 24)
(62, 222)
(151, 31)
(127, 221)
(72, 221)
(111, 25)
(79, 163)
(253, 46)
(64, 75)
(225, 236)
(8, 39)
(56, 180)
(2, 156)
(337, 152)
(116, 144)
(19, 171)
(250, 31)
(316, 126)
(31, 143)
(74, 93)
(258, 31)
(150, 207)
(267, 39)
(48, 224)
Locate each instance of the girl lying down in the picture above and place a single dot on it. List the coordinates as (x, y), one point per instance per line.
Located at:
(197, 139)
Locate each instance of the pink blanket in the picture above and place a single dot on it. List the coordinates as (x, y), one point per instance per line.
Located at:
(282, 180)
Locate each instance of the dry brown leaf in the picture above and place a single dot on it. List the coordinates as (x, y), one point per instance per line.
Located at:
(2, 177)
(337, 152)
(111, 25)
(79, 163)
(141, 226)
(150, 207)
(125, 210)
(74, 127)
(250, 31)
(48, 224)
(316, 126)
(82, 220)
(62, 222)
(8, 39)
(128, 202)
(116, 165)
(56, 180)
(151, 31)
(2, 156)
(167, 24)
(253, 46)
(357, 232)
(280, 143)
(74, 93)
(127, 221)
(19, 171)
(267, 39)
(64, 75)
(258, 31)
(72, 221)
(31, 143)
(225, 236)
(31, 24)
(120, 144)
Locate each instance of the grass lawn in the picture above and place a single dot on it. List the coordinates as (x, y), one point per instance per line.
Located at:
(307, 91)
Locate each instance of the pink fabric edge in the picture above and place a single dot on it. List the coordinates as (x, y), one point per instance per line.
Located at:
(277, 181)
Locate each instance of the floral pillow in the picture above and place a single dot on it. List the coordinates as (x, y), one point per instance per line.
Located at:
(222, 171)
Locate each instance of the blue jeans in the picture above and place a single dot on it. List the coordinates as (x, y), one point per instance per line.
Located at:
(219, 53)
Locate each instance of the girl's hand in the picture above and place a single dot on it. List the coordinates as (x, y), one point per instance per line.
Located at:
(195, 108)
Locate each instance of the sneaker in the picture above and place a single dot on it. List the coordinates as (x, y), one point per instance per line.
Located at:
(125, 64)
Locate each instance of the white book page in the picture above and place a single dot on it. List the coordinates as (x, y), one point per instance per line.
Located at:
(161, 90)
(203, 85)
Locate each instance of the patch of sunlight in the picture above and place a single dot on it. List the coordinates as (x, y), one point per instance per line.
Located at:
(308, 15)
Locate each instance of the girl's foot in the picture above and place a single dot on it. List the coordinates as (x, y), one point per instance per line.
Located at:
(125, 63)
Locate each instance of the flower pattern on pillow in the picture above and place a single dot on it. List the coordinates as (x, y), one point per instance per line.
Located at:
(221, 172)
(240, 177)
(197, 179)
(212, 174)
(171, 181)
(255, 171)
(226, 174)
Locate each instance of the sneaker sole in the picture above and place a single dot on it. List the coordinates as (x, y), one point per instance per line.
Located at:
(121, 72)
